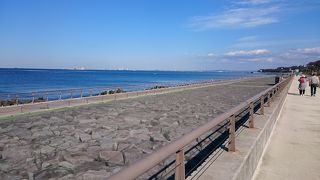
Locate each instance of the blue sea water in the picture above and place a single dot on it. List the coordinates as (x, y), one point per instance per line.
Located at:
(34, 80)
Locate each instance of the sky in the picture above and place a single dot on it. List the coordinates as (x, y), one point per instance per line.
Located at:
(159, 34)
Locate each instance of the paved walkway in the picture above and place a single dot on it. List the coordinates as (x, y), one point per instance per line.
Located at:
(293, 152)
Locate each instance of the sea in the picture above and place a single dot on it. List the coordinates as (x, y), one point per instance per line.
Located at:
(24, 81)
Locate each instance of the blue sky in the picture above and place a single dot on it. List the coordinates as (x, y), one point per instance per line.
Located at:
(159, 34)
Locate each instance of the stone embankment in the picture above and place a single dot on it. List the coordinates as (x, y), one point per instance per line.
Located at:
(98, 140)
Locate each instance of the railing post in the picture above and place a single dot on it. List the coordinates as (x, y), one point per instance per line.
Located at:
(269, 96)
(81, 93)
(101, 98)
(232, 134)
(251, 112)
(274, 94)
(180, 168)
(47, 98)
(280, 87)
(32, 98)
(262, 105)
(60, 97)
(17, 99)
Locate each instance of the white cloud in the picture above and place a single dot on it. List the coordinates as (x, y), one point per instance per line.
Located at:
(314, 50)
(299, 56)
(248, 42)
(248, 38)
(262, 58)
(237, 18)
(211, 55)
(254, 2)
(247, 53)
(259, 56)
(258, 42)
(251, 13)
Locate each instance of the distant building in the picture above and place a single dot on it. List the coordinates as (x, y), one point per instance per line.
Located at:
(284, 69)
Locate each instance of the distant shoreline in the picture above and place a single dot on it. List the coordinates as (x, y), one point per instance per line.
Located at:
(147, 70)
(16, 80)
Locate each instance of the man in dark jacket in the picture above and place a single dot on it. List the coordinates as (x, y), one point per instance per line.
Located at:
(314, 83)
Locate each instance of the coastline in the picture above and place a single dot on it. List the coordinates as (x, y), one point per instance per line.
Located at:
(45, 104)
(41, 80)
(126, 129)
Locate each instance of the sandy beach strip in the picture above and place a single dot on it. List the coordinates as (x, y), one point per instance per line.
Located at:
(98, 140)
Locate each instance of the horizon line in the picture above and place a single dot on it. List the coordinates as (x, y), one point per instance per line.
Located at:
(122, 69)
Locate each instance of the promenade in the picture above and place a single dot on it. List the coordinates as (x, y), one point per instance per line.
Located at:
(293, 151)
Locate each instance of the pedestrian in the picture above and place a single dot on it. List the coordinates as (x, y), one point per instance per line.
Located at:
(302, 85)
(313, 83)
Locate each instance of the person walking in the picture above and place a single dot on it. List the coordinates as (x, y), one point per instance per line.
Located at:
(302, 85)
(313, 83)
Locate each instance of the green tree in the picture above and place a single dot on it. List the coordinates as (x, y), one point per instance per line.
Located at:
(313, 67)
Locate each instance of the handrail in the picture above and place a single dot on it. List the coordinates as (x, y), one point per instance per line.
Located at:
(65, 94)
(53, 95)
(114, 86)
(141, 166)
(14, 106)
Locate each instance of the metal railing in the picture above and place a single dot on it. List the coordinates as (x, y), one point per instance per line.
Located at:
(230, 121)
(8, 99)
(46, 103)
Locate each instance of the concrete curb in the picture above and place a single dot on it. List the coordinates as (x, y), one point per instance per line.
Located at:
(252, 159)
(268, 142)
(250, 145)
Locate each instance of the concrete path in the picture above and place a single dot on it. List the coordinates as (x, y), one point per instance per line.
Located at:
(294, 147)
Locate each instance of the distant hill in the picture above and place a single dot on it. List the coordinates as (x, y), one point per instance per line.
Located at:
(313, 67)
(309, 68)
(284, 69)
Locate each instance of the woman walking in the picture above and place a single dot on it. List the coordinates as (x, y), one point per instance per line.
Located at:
(302, 85)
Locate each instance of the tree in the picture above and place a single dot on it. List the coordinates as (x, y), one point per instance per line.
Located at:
(313, 67)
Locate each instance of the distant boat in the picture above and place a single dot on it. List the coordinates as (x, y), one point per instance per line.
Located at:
(76, 68)
(81, 68)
